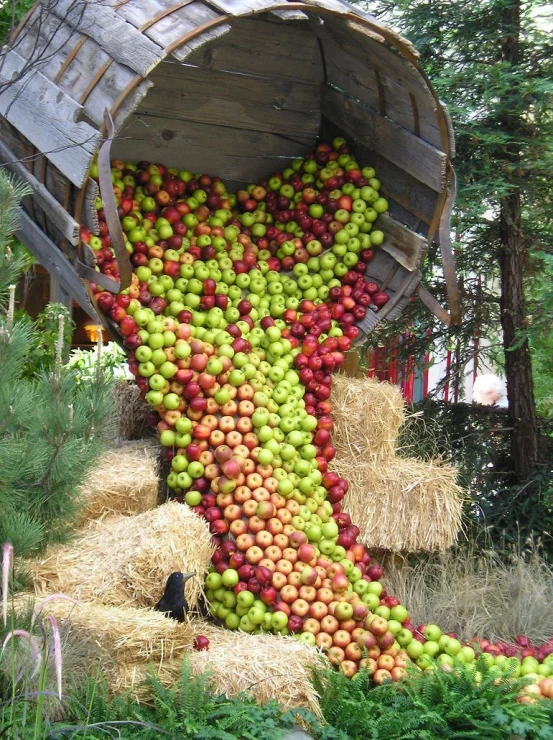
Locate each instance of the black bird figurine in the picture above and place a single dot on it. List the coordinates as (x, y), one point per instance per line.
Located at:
(173, 602)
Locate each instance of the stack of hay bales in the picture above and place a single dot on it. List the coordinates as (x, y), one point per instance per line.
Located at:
(116, 569)
(399, 504)
(124, 482)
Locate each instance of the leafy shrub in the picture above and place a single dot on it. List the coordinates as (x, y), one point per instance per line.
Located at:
(434, 705)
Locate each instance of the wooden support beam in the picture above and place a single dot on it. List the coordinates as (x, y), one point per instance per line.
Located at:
(50, 257)
(66, 224)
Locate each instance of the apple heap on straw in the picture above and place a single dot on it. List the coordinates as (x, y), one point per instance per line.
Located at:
(240, 309)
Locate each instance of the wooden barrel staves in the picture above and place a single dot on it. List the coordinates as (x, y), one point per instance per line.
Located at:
(230, 87)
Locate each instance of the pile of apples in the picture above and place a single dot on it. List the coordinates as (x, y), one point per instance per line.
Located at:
(240, 309)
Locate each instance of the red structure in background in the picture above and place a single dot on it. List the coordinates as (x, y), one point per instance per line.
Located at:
(412, 381)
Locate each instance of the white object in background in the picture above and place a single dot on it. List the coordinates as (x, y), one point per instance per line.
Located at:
(490, 390)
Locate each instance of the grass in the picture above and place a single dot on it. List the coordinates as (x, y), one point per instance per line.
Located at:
(478, 593)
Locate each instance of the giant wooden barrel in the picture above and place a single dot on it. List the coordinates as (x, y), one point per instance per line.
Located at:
(229, 87)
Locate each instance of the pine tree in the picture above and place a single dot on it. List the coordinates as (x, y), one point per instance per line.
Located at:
(492, 63)
(51, 429)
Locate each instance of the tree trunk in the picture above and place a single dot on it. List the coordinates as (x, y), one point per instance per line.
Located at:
(518, 366)
(525, 436)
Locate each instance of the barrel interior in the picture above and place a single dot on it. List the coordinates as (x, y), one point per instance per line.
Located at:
(249, 99)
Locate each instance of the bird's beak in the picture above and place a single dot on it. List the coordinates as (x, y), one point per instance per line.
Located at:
(186, 576)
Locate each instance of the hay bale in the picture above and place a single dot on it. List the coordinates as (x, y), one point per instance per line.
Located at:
(122, 561)
(265, 666)
(367, 415)
(130, 411)
(125, 481)
(403, 504)
(124, 634)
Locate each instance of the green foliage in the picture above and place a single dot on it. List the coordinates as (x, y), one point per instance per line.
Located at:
(10, 15)
(113, 362)
(51, 429)
(13, 258)
(491, 62)
(540, 333)
(51, 432)
(476, 440)
(434, 705)
(189, 709)
(42, 355)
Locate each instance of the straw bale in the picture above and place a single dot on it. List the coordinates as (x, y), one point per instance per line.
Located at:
(403, 504)
(125, 481)
(367, 415)
(130, 411)
(122, 561)
(265, 666)
(123, 633)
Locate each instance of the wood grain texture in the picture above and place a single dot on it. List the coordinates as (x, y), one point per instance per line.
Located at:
(83, 67)
(417, 158)
(46, 41)
(67, 225)
(48, 117)
(50, 257)
(89, 215)
(183, 50)
(405, 246)
(411, 202)
(290, 15)
(353, 58)
(120, 39)
(184, 20)
(107, 90)
(238, 155)
(140, 12)
(276, 50)
(233, 100)
(239, 7)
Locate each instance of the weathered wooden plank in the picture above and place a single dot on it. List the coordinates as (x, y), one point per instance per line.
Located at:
(140, 12)
(183, 51)
(76, 78)
(401, 106)
(89, 215)
(119, 38)
(365, 49)
(107, 90)
(56, 183)
(169, 29)
(405, 246)
(290, 15)
(434, 305)
(240, 7)
(21, 147)
(335, 5)
(53, 260)
(450, 129)
(46, 41)
(355, 77)
(413, 196)
(419, 159)
(67, 225)
(238, 155)
(397, 70)
(411, 202)
(48, 118)
(130, 104)
(233, 100)
(271, 49)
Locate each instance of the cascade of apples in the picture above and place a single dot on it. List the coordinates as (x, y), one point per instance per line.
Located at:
(240, 309)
